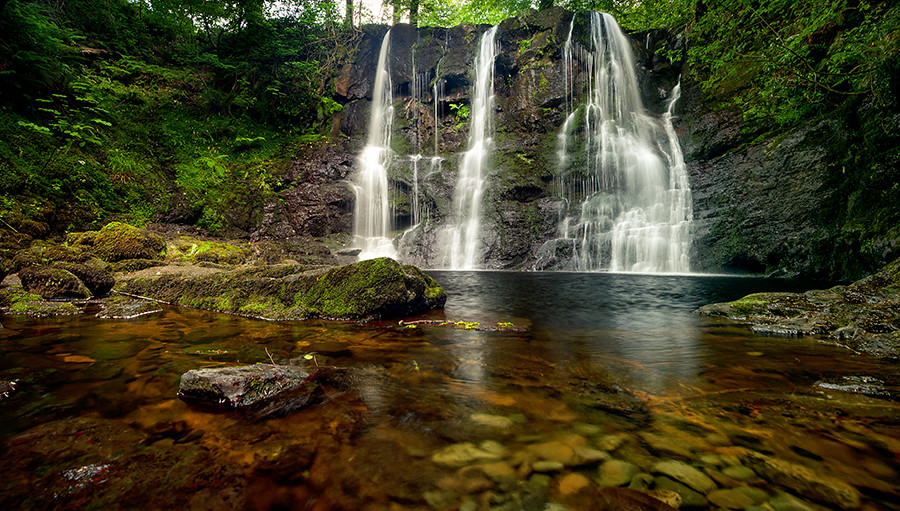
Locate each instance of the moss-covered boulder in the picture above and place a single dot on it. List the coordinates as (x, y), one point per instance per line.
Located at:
(16, 300)
(98, 279)
(117, 241)
(6, 265)
(863, 316)
(51, 282)
(378, 288)
(190, 249)
(42, 253)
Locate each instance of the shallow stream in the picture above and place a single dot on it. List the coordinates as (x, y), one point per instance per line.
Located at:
(601, 381)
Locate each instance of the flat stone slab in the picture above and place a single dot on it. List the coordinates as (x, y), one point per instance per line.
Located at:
(128, 309)
(236, 387)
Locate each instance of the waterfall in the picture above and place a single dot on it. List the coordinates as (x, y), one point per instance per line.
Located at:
(465, 234)
(372, 215)
(627, 197)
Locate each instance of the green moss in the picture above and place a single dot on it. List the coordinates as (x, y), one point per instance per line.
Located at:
(750, 304)
(380, 287)
(195, 250)
(118, 241)
(52, 282)
(374, 287)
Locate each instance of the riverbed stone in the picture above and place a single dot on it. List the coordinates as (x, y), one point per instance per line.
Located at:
(667, 445)
(668, 497)
(730, 499)
(617, 473)
(786, 502)
(497, 470)
(553, 451)
(757, 495)
(610, 442)
(686, 474)
(689, 497)
(572, 483)
(547, 466)
(642, 481)
(739, 472)
(586, 455)
(243, 386)
(459, 455)
(802, 480)
(493, 421)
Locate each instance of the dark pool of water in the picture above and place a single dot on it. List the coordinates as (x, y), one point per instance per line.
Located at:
(593, 362)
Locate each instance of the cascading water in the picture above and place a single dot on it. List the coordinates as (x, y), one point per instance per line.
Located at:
(372, 215)
(627, 197)
(465, 234)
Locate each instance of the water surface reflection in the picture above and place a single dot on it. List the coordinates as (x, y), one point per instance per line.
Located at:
(598, 367)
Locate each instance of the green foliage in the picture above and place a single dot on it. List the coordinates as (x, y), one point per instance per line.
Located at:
(133, 107)
(462, 113)
(783, 61)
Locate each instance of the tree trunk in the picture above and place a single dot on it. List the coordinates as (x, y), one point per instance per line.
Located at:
(348, 20)
(414, 13)
(398, 11)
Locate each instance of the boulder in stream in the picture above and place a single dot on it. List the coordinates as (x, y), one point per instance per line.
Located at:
(247, 386)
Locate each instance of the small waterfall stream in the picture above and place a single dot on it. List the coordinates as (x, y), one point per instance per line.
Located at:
(372, 213)
(465, 233)
(626, 193)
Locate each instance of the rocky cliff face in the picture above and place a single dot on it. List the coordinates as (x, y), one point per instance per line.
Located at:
(772, 205)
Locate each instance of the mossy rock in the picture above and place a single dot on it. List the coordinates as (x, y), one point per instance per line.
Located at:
(42, 253)
(6, 266)
(196, 250)
(81, 239)
(50, 282)
(17, 300)
(13, 240)
(369, 289)
(377, 287)
(117, 241)
(98, 280)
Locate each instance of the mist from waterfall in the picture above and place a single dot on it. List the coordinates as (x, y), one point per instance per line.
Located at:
(372, 213)
(621, 171)
(465, 233)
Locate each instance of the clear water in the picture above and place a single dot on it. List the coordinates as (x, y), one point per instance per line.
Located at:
(95, 422)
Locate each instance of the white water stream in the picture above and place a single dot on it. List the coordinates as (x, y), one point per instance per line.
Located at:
(372, 214)
(626, 192)
(465, 233)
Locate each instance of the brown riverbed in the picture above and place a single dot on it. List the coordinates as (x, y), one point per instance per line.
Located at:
(602, 376)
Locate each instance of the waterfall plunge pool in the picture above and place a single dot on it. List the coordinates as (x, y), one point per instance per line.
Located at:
(605, 379)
